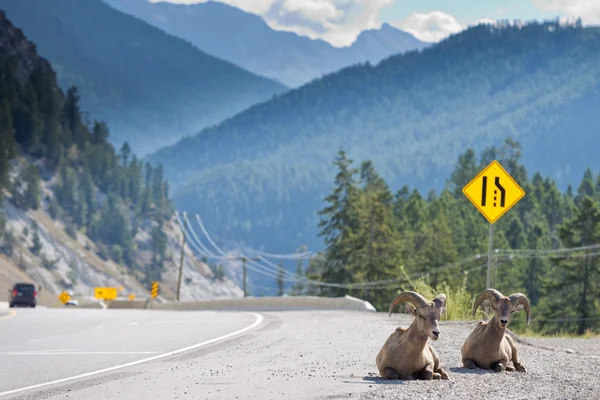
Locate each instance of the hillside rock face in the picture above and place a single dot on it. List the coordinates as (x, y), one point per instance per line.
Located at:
(63, 263)
(37, 247)
(13, 42)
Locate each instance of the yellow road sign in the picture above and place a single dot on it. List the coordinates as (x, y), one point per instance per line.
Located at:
(105, 293)
(154, 290)
(132, 296)
(64, 297)
(493, 191)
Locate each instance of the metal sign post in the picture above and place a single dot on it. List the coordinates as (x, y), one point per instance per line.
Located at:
(493, 191)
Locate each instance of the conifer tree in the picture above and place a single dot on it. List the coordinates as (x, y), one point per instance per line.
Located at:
(340, 225)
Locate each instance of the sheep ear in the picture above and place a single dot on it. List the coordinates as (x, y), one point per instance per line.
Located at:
(411, 310)
(440, 302)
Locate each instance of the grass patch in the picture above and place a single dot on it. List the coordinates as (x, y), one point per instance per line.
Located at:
(530, 333)
(459, 302)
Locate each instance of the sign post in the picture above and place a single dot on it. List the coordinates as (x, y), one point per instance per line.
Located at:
(493, 191)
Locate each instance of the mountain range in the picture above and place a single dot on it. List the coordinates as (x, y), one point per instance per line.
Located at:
(73, 210)
(151, 88)
(246, 40)
(260, 177)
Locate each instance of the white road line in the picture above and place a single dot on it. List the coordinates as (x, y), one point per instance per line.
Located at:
(258, 321)
(132, 323)
(33, 351)
(188, 321)
(42, 339)
(10, 315)
(97, 327)
(73, 353)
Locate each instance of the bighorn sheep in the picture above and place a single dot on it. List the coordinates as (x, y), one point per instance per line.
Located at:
(406, 354)
(487, 347)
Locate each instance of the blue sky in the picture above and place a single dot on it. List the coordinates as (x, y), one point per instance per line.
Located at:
(468, 11)
(340, 21)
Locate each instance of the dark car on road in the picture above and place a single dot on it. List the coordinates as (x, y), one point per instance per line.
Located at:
(23, 294)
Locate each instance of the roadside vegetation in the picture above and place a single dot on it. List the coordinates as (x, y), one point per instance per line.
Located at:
(438, 242)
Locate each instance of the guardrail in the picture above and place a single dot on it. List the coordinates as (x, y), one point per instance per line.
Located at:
(254, 304)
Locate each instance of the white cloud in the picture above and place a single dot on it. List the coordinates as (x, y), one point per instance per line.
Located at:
(430, 27)
(486, 21)
(336, 21)
(588, 10)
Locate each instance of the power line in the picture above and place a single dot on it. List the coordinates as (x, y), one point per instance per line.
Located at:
(271, 270)
(293, 256)
(548, 251)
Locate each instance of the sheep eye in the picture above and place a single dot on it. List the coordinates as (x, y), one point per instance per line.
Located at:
(422, 317)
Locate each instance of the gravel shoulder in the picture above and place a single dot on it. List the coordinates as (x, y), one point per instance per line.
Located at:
(584, 347)
(331, 355)
(552, 372)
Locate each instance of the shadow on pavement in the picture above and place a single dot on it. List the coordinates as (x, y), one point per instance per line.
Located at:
(372, 378)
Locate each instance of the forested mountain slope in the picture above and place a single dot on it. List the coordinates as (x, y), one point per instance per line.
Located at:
(246, 40)
(151, 88)
(75, 213)
(261, 176)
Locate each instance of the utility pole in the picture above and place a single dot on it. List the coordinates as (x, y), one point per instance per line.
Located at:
(181, 259)
(244, 261)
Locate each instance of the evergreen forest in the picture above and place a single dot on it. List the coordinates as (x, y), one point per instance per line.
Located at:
(106, 193)
(547, 246)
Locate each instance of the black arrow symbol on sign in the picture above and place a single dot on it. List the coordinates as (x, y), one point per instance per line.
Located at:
(483, 191)
(499, 186)
(502, 191)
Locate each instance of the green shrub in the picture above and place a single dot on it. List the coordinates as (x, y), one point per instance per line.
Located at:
(459, 303)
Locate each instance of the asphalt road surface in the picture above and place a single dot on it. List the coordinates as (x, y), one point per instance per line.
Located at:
(93, 354)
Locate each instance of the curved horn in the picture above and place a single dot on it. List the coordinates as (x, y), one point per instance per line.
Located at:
(519, 301)
(413, 297)
(490, 295)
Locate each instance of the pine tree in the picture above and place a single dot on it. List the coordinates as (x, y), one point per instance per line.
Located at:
(436, 247)
(339, 225)
(378, 246)
(7, 144)
(464, 171)
(36, 242)
(574, 283)
(71, 117)
(537, 267)
(586, 188)
(31, 197)
(124, 154)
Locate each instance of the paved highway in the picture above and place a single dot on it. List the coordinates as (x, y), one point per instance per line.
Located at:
(291, 355)
(40, 346)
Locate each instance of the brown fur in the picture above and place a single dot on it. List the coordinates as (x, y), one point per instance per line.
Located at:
(488, 347)
(406, 354)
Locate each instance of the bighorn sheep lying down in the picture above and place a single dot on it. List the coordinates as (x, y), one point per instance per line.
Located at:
(406, 353)
(487, 346)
